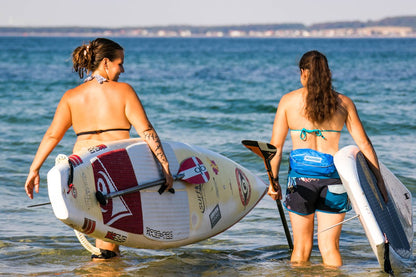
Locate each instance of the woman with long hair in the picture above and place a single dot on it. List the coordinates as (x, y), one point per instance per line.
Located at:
(315, 115)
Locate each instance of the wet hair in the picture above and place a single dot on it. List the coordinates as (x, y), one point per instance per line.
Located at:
(321, 99)
(87, 57)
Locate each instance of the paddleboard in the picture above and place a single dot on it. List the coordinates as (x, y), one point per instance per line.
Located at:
(388, 226)
(212, 195)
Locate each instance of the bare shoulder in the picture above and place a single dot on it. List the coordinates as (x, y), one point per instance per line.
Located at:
(124, 87)
(346, 101)
(291, 97)
(72, 93)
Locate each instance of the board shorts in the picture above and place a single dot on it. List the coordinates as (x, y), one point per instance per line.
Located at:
(305, 196)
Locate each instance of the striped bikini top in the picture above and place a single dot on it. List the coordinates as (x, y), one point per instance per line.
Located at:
(317, 132)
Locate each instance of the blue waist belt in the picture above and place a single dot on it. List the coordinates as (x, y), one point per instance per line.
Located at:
(294, 174)
(310, 163)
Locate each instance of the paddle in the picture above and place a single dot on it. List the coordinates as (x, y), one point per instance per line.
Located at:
(191, 170)
(267, 151)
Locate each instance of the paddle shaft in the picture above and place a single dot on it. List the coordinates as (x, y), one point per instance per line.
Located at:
(38, 205)
(102, 198)
(267, 151)
(279, 206)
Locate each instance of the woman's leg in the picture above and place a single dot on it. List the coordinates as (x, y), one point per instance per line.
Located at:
(328, 241)
(302, 228)
(106, 246)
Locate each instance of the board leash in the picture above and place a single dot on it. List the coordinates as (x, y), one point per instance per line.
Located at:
(86, 244)
(335, 225)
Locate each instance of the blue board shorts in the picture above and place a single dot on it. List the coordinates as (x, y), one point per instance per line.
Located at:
(304, 196)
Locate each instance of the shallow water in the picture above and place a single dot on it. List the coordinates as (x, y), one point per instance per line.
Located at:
(211, 93)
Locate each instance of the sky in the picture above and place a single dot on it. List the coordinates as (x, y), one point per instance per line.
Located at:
(137, 13)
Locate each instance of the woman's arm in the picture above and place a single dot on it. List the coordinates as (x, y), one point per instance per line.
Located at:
(137, 116)
(356, 129)
(280, 130)
(60, 124)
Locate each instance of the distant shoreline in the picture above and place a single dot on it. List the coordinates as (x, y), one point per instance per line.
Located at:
(395, 27)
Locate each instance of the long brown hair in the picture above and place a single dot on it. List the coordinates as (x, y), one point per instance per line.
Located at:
(87, 57)
(321, 99)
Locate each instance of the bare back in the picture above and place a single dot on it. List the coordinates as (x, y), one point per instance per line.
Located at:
(292, 111)
(93, 106)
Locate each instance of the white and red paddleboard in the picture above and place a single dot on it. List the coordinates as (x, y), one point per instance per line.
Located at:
(212, 193)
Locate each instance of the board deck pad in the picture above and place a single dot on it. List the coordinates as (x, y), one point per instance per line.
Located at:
(164, 224)
(385, 213)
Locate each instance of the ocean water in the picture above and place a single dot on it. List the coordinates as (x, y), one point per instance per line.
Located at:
(211, 93)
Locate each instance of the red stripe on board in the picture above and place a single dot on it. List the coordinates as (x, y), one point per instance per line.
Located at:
(89, 226)
(75, 160)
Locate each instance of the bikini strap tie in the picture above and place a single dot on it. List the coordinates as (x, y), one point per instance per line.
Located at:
(304, 132)
(100, 79)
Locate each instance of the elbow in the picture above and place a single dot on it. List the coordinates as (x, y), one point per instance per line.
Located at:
(53, 137)
(365, 145)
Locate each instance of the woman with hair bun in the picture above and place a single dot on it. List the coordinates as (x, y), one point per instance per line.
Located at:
(315, 115)
(99, 110)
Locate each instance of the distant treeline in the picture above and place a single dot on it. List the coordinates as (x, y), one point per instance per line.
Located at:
(402, 21)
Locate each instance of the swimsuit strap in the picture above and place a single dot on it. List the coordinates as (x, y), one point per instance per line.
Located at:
(101, 131)
(100, 79)
(318, 133)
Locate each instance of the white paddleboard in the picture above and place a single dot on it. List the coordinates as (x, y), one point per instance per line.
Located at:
(147, 219)
(388, 226)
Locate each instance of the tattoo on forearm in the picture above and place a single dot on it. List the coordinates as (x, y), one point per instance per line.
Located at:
(153, 140)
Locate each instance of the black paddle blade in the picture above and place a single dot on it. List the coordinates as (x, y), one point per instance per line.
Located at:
(263, 149)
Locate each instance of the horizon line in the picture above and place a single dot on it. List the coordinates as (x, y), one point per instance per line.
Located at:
(203, 25)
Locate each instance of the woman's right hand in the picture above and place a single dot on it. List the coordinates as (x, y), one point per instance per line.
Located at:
(275, 192)
(32, 182)
(169, 179)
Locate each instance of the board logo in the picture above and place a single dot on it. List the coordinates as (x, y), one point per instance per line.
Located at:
(215, 216)
(116, 208)
(113, 171)
(214, 167)
(89, 226)
(160, 235)
(115, 237)
(94, 149)
(201, 197)
(194, 170)
(244, 186)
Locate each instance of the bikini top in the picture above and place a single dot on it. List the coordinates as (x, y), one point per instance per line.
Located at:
(317, 132)
(100, 79)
